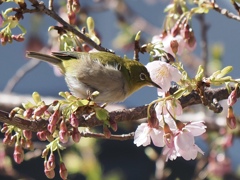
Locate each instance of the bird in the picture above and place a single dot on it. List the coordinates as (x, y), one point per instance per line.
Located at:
(115, 78)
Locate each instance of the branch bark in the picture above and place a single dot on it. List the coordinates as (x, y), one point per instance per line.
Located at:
(125, 115)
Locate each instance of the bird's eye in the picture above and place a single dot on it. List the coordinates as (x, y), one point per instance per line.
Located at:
(142, 76)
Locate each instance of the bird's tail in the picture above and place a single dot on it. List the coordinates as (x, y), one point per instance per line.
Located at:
(44, 57)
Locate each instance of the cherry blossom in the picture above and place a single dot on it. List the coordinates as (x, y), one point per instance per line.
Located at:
(144, 134)
(183, 142)
(163, 74)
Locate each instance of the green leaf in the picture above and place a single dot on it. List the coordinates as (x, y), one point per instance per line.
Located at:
(36, 97)
(101, 114)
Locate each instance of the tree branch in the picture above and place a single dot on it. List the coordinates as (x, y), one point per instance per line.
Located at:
(225, 12)
(40, 7)
(125, 115)
(121, 137)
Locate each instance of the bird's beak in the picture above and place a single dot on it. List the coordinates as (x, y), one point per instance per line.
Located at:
(154, 84)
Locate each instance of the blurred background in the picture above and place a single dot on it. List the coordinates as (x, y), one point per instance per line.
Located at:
(99, 159)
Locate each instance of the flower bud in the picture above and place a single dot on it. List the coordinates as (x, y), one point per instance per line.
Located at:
(72, 18)
(27, 134)
(76, 136)
(4, 129)
(7, 138)
(73, 120)
(113, 125)
(76, 6)
(28, 113)
(49, 173)
(45, 152)
(51, 128)
(232, 98)
(18, 38)
(51, 162)
(53, 120)
(40, 110)
(231, 119)
(107, 133)
(18, 154)
(63, 171)
(63, 135)
(42, 135)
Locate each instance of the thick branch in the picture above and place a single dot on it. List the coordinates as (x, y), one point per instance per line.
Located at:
(120, 115)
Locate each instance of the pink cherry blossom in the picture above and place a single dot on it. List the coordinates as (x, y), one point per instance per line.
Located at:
(163, 74)
(183, 143)
(144, 134)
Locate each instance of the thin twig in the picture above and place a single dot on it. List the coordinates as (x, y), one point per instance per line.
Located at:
(225, 12)
(121, 137)
(236, 6)
(40, 7)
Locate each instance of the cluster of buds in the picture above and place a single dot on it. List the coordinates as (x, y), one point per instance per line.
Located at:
(50, 164)
(10, 22)
(21, 139)
(175, 41)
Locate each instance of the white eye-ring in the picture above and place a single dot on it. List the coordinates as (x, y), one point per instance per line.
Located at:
(142, 76)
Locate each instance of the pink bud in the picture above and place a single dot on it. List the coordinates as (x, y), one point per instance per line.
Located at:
(18, 154)
(51, 128)
(54, 118)
(63, 135)
(73, 120)
(76, 136)
(18, 38)
(28, 113)
(7, 138)
(107, 133)
(4, 129)
(49, 173)
(63, 126)
(113, 125)
(27, 134)
(42, 136)
(72, 17)
(51, 162)
(232, 98)
(63, 171)
(40, 110)
(231, 119)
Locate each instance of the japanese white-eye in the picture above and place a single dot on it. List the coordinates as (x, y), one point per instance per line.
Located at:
(115, 78)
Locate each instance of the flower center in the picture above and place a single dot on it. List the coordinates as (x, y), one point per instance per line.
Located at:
(162, 72)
